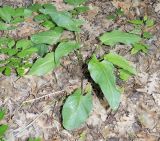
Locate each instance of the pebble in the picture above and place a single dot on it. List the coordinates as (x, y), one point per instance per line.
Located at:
(157, 7)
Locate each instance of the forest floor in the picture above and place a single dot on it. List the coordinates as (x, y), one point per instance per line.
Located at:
(138, 116)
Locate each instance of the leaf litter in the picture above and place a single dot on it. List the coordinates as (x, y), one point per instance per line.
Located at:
(139, 108)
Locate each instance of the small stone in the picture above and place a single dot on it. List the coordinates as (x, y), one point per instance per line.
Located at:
(157, 7)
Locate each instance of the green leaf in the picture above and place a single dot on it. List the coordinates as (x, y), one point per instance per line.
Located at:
(63, 19)
(103, 74)
(48, 24)
(6, 13)
(124, 75)
(8, 51)
(42, 49)
(120, 61)
(24, 43)
(11, 43)
(47, 37)
(75, 2)
(2, 69)
(64, 48)
(147, 35)
(3, 129)
(27, 52)
(2, 113)
(11, 52)
(20, 71)
(7, 71)
(27, 13)
(4, 26)
(136, 22)
(43, 65)
(149, 22)
(17, 20)
(117, 36)
(19, 12)
(77, 109)
(139, 47)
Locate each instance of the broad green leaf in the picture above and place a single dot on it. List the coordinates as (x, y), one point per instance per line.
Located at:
(3, 129)
(43, 65)
(11, 43)
(27, 52)
(63, 19)
(76, 109)
(120, 61)
(139, 47)
(2, 69)
(17, 20)
(8, 51)
(136, 22)
(64, 48)
(3, 41)
(11, 52)
(48, 24)
(124, 75)
(24, 43)
(75, 2)
(7, 71)
(103, 74)
(117, 36)
(42, 49)
(47, 37)
(19, 12)
(6, 13)
(2, 113)
(4, 26)
(27, 13)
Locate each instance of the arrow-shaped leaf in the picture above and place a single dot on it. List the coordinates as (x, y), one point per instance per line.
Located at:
(103, 74)
(63, 19)
(120, 62)
(64, 48)
(43, 65)
(47, 37)
(77, 109)
(117, 36)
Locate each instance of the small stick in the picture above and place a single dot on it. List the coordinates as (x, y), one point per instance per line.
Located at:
(23, 129)
(32, 100)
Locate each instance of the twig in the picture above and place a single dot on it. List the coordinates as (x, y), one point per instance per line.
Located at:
(23, 129)
(32, 100)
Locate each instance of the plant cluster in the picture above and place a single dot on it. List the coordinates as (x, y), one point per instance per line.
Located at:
(41, 53)
(3, 127)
